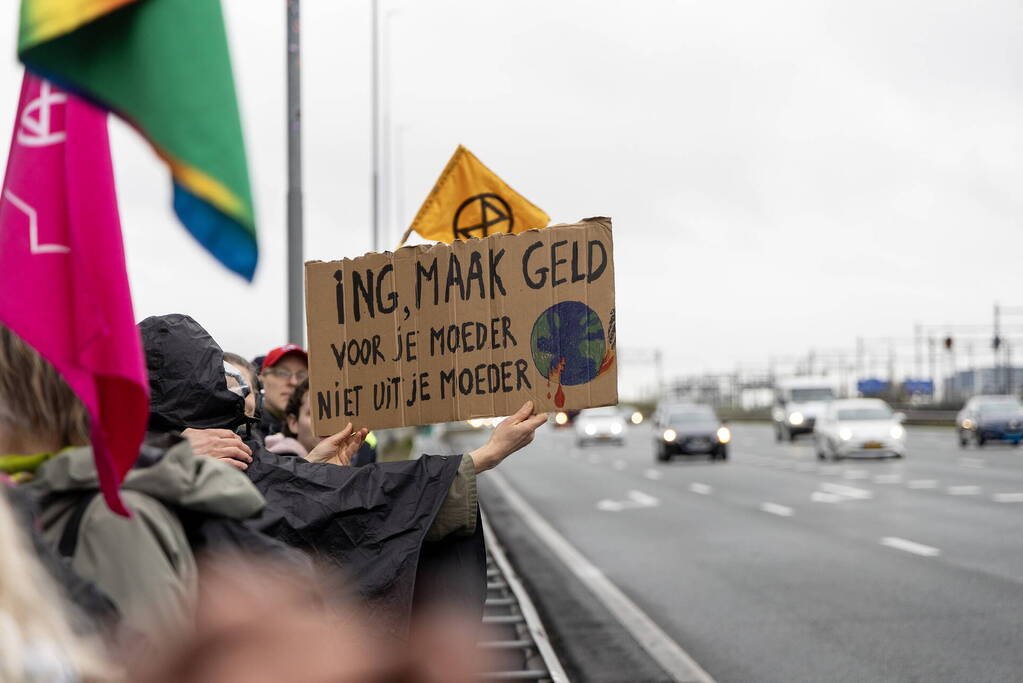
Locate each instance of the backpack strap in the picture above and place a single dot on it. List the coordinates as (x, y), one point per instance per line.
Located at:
(69, 539)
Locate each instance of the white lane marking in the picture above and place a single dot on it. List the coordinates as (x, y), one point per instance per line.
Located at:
(850, 492)
(653, 474)
(856, 474)
(972, 462)
(665, 651)
(910, 546)
(643, 499)
(888, 479)
(966, 490)
(1008, 497)
(633, 500)
(822, 497)
(776, 509)
(702, 489)
(922, 483)
(619, 465)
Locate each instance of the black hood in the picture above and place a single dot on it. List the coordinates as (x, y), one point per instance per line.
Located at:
(186, 377)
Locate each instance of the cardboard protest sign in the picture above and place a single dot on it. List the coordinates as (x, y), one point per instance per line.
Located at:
(471, 329)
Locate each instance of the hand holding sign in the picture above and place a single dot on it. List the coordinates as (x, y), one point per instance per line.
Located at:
(340, 448)
(512, 434)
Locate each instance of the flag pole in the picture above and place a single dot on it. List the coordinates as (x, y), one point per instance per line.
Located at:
(375, 105)
(296, 331)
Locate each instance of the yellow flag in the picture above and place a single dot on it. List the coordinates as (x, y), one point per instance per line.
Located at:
(469, 200)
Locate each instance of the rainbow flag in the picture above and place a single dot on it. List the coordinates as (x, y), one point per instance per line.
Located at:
(163, 66)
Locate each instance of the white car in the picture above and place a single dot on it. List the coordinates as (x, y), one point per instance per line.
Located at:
(863, 427)
(600, 424)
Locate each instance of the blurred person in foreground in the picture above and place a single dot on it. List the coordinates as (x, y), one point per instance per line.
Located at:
(258, 624)
(144, 564)
(297, 437)
(283, 369)
(37, 644)
(403, 531)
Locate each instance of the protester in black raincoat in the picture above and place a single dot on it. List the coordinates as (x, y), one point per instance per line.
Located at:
(370, 521)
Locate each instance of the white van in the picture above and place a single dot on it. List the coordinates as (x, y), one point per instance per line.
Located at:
(797, 404)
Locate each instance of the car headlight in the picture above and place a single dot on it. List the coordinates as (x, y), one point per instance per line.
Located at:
(591, 429)
(796, 419)
(637, 418)
(898, 431)
(616, 428)
(967, 423)
(669, 435)
(724, 435)
(561, 418)
(845, 434)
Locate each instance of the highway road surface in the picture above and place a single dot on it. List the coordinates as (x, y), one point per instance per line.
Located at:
(774, 566)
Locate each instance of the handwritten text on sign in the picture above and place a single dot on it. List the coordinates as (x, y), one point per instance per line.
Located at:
(470, 329)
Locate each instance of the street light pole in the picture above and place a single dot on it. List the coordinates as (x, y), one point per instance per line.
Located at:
(295, 238)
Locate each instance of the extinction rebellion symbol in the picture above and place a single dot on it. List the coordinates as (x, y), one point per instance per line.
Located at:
(493, 212)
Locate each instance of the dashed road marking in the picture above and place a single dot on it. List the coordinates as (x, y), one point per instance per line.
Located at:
(824, 497)
(850, 492)
(702, 489)
(856, 474)
(910, 546)
(634, 500)
(619, 465)
(1008, 497)
(972, 462)
(922, 483)
(776, 509)
(830, 469)
(888, 479)
(644, 499)
(653, 474)
(966, 490)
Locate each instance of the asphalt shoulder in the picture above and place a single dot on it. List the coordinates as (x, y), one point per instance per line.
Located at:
(590, 642)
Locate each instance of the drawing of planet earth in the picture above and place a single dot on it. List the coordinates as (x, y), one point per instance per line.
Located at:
(571, 335)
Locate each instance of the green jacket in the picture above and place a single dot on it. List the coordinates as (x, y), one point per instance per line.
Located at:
(144, 564)
(457, 514)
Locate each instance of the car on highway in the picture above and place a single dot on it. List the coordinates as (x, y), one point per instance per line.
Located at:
(860, 427)
(990, 418)
(691, 429)
(600, 424)
(564, 418)
(797, 404)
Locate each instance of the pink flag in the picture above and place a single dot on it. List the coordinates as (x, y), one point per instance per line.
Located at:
(63, 285)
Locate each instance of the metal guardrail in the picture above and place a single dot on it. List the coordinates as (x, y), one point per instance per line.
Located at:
(520, 646)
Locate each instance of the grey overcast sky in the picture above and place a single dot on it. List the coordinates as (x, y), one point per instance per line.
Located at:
(781, 175)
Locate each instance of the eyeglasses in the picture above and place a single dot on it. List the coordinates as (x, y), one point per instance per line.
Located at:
(281, 373)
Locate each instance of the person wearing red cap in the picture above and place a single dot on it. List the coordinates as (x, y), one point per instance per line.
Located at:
(284, 368)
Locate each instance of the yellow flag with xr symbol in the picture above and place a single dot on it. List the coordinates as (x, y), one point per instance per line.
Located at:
(469, 200)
